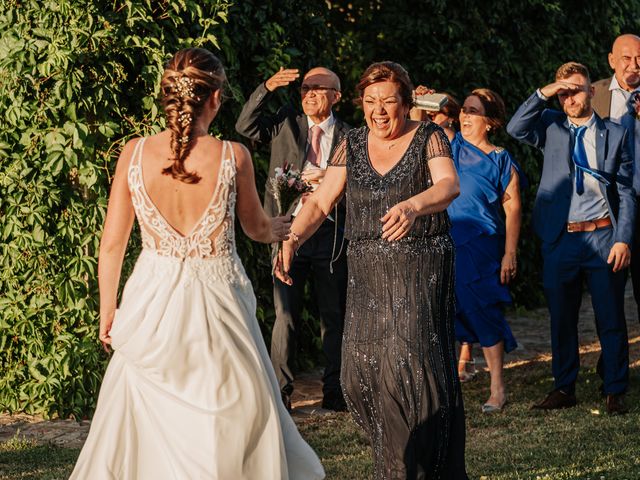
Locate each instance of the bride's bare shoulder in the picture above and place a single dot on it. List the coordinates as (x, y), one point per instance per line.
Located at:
(242, 155)
(127, 153)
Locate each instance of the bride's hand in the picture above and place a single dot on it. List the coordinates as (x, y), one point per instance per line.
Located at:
(280, 228)
(106, 320)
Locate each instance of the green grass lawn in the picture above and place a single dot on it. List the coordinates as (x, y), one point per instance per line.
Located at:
(579, 443)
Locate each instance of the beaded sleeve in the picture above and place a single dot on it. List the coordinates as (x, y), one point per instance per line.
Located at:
(438, 145)
(339, 154)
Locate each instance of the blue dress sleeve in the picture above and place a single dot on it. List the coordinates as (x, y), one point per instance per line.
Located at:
(506, 163)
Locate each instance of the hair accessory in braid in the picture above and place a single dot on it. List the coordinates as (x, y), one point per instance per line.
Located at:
(184, 87)
(188, 81)
(185, 118)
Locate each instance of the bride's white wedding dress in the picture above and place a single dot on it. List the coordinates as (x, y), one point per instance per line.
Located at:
(190, 392)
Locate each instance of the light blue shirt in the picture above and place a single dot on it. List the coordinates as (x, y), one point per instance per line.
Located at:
(591, 205)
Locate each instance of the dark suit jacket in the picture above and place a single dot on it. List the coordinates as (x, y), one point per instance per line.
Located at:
(287, 133)
(536, 125)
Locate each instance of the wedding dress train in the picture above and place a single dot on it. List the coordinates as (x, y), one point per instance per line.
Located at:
(190, 392)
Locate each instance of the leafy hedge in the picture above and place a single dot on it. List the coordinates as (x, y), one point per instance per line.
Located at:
(77, 79)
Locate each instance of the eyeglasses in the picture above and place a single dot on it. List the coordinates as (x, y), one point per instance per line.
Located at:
(305, 88)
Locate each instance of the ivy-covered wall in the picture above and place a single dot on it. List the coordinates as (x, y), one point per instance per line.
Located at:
(79, 78)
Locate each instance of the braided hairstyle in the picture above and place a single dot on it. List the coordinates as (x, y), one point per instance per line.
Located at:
(188, 81)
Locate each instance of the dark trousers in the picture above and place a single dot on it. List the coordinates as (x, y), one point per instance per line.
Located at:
(566, 261)
(312, 262)
(635, 262)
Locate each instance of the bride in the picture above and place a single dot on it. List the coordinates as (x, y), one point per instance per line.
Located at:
(189, 392)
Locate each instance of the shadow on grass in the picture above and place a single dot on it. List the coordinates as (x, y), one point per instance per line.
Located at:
(517, 444)
(24, 461)
(577, 443)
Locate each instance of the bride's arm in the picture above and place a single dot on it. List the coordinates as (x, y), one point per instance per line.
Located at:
(254, 220)
(115, 236)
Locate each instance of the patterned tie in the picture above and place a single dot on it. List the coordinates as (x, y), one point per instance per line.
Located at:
(579, 156)
(631, 103)
(313, 155)
(629, 122)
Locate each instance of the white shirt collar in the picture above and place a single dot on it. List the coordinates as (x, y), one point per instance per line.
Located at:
(589, 124)
(615, 85)
(325, 125)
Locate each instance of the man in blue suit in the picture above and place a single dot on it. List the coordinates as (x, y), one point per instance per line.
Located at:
(584, 214)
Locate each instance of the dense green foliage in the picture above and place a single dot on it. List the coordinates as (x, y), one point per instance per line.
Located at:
(77, 79)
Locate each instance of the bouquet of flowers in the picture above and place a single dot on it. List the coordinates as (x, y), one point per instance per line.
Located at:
(286, 186)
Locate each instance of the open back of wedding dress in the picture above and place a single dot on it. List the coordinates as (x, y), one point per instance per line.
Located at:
(190, 392)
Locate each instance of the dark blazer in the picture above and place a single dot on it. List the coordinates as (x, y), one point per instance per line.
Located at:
(536, 125)
(287, 133)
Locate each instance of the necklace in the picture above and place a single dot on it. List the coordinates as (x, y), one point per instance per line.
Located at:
(398, 138)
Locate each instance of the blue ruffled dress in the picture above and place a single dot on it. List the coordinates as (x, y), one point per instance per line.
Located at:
(478, 232)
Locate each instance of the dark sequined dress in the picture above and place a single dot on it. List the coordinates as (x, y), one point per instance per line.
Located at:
(399, 364)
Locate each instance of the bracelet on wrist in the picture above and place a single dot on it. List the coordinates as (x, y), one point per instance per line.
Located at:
(296, 241)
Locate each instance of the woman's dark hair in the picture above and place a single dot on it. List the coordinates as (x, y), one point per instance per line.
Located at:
(494, 108)
(452, 110)
(189, 79)
(387, 72)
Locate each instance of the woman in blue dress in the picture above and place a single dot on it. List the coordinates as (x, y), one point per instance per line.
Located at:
(485, 243)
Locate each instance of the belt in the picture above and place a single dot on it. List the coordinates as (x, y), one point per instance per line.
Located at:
(589, 225)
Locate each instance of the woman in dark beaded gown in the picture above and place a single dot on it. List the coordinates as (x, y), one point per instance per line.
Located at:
(398, 363)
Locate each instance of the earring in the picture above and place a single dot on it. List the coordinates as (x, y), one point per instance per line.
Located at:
(488, 128)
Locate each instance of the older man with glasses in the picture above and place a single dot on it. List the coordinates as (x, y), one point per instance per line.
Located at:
(305, 141)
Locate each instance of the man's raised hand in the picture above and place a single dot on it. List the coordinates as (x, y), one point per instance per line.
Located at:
(558, 87)
(282, 78)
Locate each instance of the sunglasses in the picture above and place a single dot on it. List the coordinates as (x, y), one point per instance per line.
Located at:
(306, 88)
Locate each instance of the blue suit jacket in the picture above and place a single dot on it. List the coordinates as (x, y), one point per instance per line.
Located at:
(544, 128)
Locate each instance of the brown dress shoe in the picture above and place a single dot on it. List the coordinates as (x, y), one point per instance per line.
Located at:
(556, 399)
(615, 404)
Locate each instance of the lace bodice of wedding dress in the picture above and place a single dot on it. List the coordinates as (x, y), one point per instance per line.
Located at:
(212, 235)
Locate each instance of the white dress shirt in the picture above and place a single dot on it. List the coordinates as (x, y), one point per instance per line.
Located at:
(326, 141)
(619, 99)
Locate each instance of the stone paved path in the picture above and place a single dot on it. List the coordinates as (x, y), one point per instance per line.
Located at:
(531, 329)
